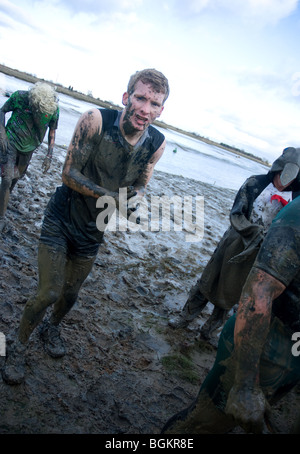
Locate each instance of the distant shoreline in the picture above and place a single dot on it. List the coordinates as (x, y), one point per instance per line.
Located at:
(108, 105)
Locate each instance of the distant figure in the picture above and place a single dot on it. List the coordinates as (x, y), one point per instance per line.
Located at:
(33, 111)
(109, 151)
(175, 150)
(223, 277)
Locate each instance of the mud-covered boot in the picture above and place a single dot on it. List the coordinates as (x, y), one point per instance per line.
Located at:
(2, 223)
(53, 343)
(13, 372)
(181, 320)
(192, 308)
(201, 417)
(214, 321)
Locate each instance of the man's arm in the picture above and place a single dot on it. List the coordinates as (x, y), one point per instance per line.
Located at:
(84, 139)
(246, 402)
(3, 137)
(140, 186)
(48, 158)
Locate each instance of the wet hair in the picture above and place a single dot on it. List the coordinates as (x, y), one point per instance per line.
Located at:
(43, 97)
(156, 79)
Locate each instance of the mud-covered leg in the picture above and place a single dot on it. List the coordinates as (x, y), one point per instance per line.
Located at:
(214, 321)
(193, 307)
(51, 276)
(206, 415)
(76, 271)
(6, 179)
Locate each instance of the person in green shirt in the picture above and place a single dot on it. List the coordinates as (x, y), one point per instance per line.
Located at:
(33, 112)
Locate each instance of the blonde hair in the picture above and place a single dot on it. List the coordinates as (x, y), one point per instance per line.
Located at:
(43, 97)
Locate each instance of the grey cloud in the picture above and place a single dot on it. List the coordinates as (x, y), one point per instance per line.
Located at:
(264, 80)
(76, 47)
(5, 24)
(99, 7)
(18, 15)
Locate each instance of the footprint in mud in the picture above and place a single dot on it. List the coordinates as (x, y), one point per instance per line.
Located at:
(7, 312)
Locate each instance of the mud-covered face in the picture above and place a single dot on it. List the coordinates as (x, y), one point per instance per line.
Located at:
(142, 107)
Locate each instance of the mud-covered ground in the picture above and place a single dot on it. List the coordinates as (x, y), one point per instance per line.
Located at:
(126, 371)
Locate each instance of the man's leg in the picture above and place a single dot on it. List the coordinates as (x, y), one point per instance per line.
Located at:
(21, 169)
(6, 181)
(51, 263)
(206, 414)
(214, 321)
(76, 271)
(279, 373)
(193, 307)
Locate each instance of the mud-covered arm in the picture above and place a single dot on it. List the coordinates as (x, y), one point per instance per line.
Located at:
(243, 203)
(141, 184)
(242, 208)
(3, 137)
(246, 402)
(48, 157)
(51, 142)
(85, 136)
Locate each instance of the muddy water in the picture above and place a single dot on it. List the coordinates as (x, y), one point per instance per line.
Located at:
(126, 371)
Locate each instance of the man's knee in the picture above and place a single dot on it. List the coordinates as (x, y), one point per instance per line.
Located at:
(43, 299)
(6, 181)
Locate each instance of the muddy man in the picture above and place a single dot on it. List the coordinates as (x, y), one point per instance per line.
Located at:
(109, 150)
(222, 279)
(257, 362)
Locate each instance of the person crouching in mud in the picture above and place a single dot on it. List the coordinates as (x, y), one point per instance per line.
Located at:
(109, 150)
(222, 279)
(255, 364)
(33, 112)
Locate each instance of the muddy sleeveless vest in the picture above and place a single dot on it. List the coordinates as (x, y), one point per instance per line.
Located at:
(113, 164)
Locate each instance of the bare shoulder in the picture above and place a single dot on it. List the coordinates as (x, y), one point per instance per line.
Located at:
(90, 122)
(159, 152)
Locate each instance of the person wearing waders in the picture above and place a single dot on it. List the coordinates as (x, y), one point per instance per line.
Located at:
(110, 150)
(257, 361)
(222, 279)
(33, 112)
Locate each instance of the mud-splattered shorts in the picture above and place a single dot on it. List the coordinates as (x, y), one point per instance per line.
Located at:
(59, 231)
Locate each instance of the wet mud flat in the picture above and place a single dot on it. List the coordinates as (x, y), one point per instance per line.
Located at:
(126, 371)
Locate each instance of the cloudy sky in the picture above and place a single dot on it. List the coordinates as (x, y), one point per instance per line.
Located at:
(233, 65)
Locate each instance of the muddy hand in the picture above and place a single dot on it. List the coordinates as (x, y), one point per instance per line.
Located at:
(132, 215)
(131, 192)
(3, 147)
(248, 407)
(46, 164)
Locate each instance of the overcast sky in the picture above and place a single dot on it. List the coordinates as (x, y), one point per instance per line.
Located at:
(233, 65)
